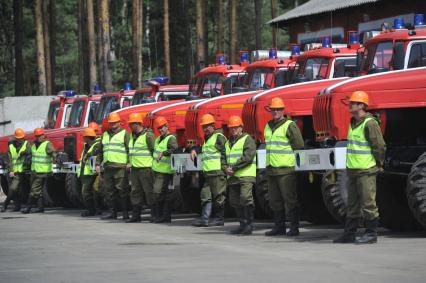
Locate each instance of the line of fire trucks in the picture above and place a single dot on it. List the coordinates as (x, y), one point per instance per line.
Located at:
(315, 86)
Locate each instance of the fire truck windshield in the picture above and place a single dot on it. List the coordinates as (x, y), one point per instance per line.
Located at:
(209, 85)
(142, 97)
(377, 57)
(77, 111)
(314, 69)
(52, 115)
(107, 105)
(260, 78)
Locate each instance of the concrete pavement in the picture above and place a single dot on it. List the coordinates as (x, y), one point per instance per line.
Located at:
(60, 246)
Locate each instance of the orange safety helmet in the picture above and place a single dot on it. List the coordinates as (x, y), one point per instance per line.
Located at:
(38, 132)
(19, 133)
(114, 118)
(207, 119)
(276, 103)
(359, 96)
(94, 126)
(89, 132)
(135, 118)
(160, 121)
(235, 121)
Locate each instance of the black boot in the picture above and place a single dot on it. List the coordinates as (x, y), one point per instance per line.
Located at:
(113, 212)
(97, 204)
(240, 214)
(348, 236)
(203, 221)
(40, 206)
(90, 209)
(219, 219)
(166, 216)
(5, 205)
(125, 208)
(249, 217)
(279, 227)
(370, 235)
(154, 213)
(136, 214)
(28, 207)
(159, 208)
(294, 223)
(17, 205)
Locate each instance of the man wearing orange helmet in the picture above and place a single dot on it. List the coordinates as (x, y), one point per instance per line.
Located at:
(364, 159)
(214, 158)
(241, 170)
(114, 156)
(141, 149)
(164, 146)
(86, 175)
(42, 156)
(18, 160)
(282, 137)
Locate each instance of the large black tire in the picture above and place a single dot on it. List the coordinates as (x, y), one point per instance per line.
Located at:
(335, 194)
(73, 190)
(55, 190)
(416, 190)
(261, 194)
(310, 200)
(4, 182)
(190, 194)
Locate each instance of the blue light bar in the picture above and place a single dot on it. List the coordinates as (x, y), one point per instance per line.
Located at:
(326, 41)
(419, 20)
(127, 86)
(220, 59)
(244, 57)
(398, 23)
(157, 80)
(295, 50)
(97, 89)
(353, 37)
(273, 53)
(70, 93)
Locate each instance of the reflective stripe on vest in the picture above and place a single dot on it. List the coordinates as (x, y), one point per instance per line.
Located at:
(234, 153)
(40, 161)
(278, 149)
(164, 165)
(359, 154)
(87, 171)
(114, 149)
(139, 154)
(210, 154)
(17, 163)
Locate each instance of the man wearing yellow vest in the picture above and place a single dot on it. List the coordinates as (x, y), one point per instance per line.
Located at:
(164, 146)
(87, 175)
(282, 137)
(141, 149)
(364, 159)
(241, 170)
(214, 158)
(42, 156)
(114, 156)
(17, 163)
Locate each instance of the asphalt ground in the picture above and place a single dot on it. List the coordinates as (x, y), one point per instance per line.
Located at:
(60, 246)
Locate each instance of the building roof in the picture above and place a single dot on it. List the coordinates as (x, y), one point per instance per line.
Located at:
(318, 6)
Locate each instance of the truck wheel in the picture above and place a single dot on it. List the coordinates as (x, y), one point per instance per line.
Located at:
(189, 194)
(416, 190)
(310, 200)
(73, 190)
(56, 190)
(4, 179)
(334, 194)
(263, 210)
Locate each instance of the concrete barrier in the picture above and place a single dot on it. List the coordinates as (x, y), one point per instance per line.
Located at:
(27, 112)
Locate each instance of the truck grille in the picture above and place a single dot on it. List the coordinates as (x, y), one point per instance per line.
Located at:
(249, 119)
(322, 116)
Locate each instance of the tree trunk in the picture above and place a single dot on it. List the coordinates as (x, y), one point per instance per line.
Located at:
(274, 29)
(220, 26)
(201, 52)
(99, 55)
(206, 30)
(233, 31)
(52, 30)
(106, 45)
(19, 39)
(46, 35)
(258, 23)
(92, 44)
(166, 39)
(188, 43)
(137, 37)
(81, 86)
(40, 48)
